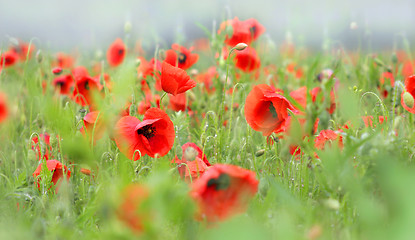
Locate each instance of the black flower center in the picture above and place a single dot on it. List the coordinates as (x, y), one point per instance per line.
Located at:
(273, 111)
(120, 51)
(182, 58)
(253, 30)
(86, 85)
(60, 84)
(147, 131)
(220, 183)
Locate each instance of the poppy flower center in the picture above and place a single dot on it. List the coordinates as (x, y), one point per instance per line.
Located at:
(120, 51)
(60, 84)
(273, 111)
(9, 60)
(220, 183)
(86, 85)
(182, 58)
(147, 131)
(253, 30)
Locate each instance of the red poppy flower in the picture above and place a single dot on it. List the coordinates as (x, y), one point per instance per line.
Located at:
(242, 31)
(178, 102)
(223, 190)
(327, 136)
(43, 148)
(195, 160)
(408, 95)
(116, 53)
(64, 84)
(266, 110)
(8, 59)
(4, 110)
(145, 104)
(194, 168)
(131, 211)
(151, 68)
(368, 121)
(85, 88)
(63, 60)
(408, 68)
(153, 136)
(247, 60)
(207, 79)
(57, 168)
(22, 50)
(175, 80)
(94, 126)
(386, 77)
(181, 57)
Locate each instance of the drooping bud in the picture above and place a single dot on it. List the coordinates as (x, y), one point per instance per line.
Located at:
(260, 152)
(408, 99)
(240, 46)
(39, 56)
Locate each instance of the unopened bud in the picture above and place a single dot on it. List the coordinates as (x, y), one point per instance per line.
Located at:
(408, 99)
(260, 152)
(240, 46)
(39, 56)
(190, 154)
(193, 72)
(353, 25)
(127, 27)
(137, 62)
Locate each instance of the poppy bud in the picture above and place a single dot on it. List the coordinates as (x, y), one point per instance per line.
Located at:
(259, 152)
(193, 72)
(57, 70)
(127, 27)
(190, 154)
(240, 46)
(39, 56)
(137, 62)
(332, 204)
(408, 99)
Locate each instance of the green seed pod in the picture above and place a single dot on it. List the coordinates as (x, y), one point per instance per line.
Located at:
(408, 99)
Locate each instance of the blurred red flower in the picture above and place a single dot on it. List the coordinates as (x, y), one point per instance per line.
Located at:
(63, 60)
(22, 50)
(42, 148)
(131, 211)
(266, 110)
(223, 191)
(408, 95)
(154, 136)
(8, 59)
(195, 160)
(92, 125)
(57, 169)
(116, 53)
(4, 110)
(175, 80)
(328, 136)
(64, 84)
(178, 103)
(85, 88)
(242, 31)
(181, 57)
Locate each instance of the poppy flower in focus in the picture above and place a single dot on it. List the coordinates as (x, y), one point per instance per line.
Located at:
(93, 126)
(8, 59)
(408, 95)
(247, 60)
(85, 88)
(4, 110)
(327, 136)
(154, 136)
(266, 110)
(131, 211)
(175, 80)
(58, 170)
(181, 57)
(178, 103)
(116, 53)
(22, 50)
(42, 148)
(64, 84)
(223, 191)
